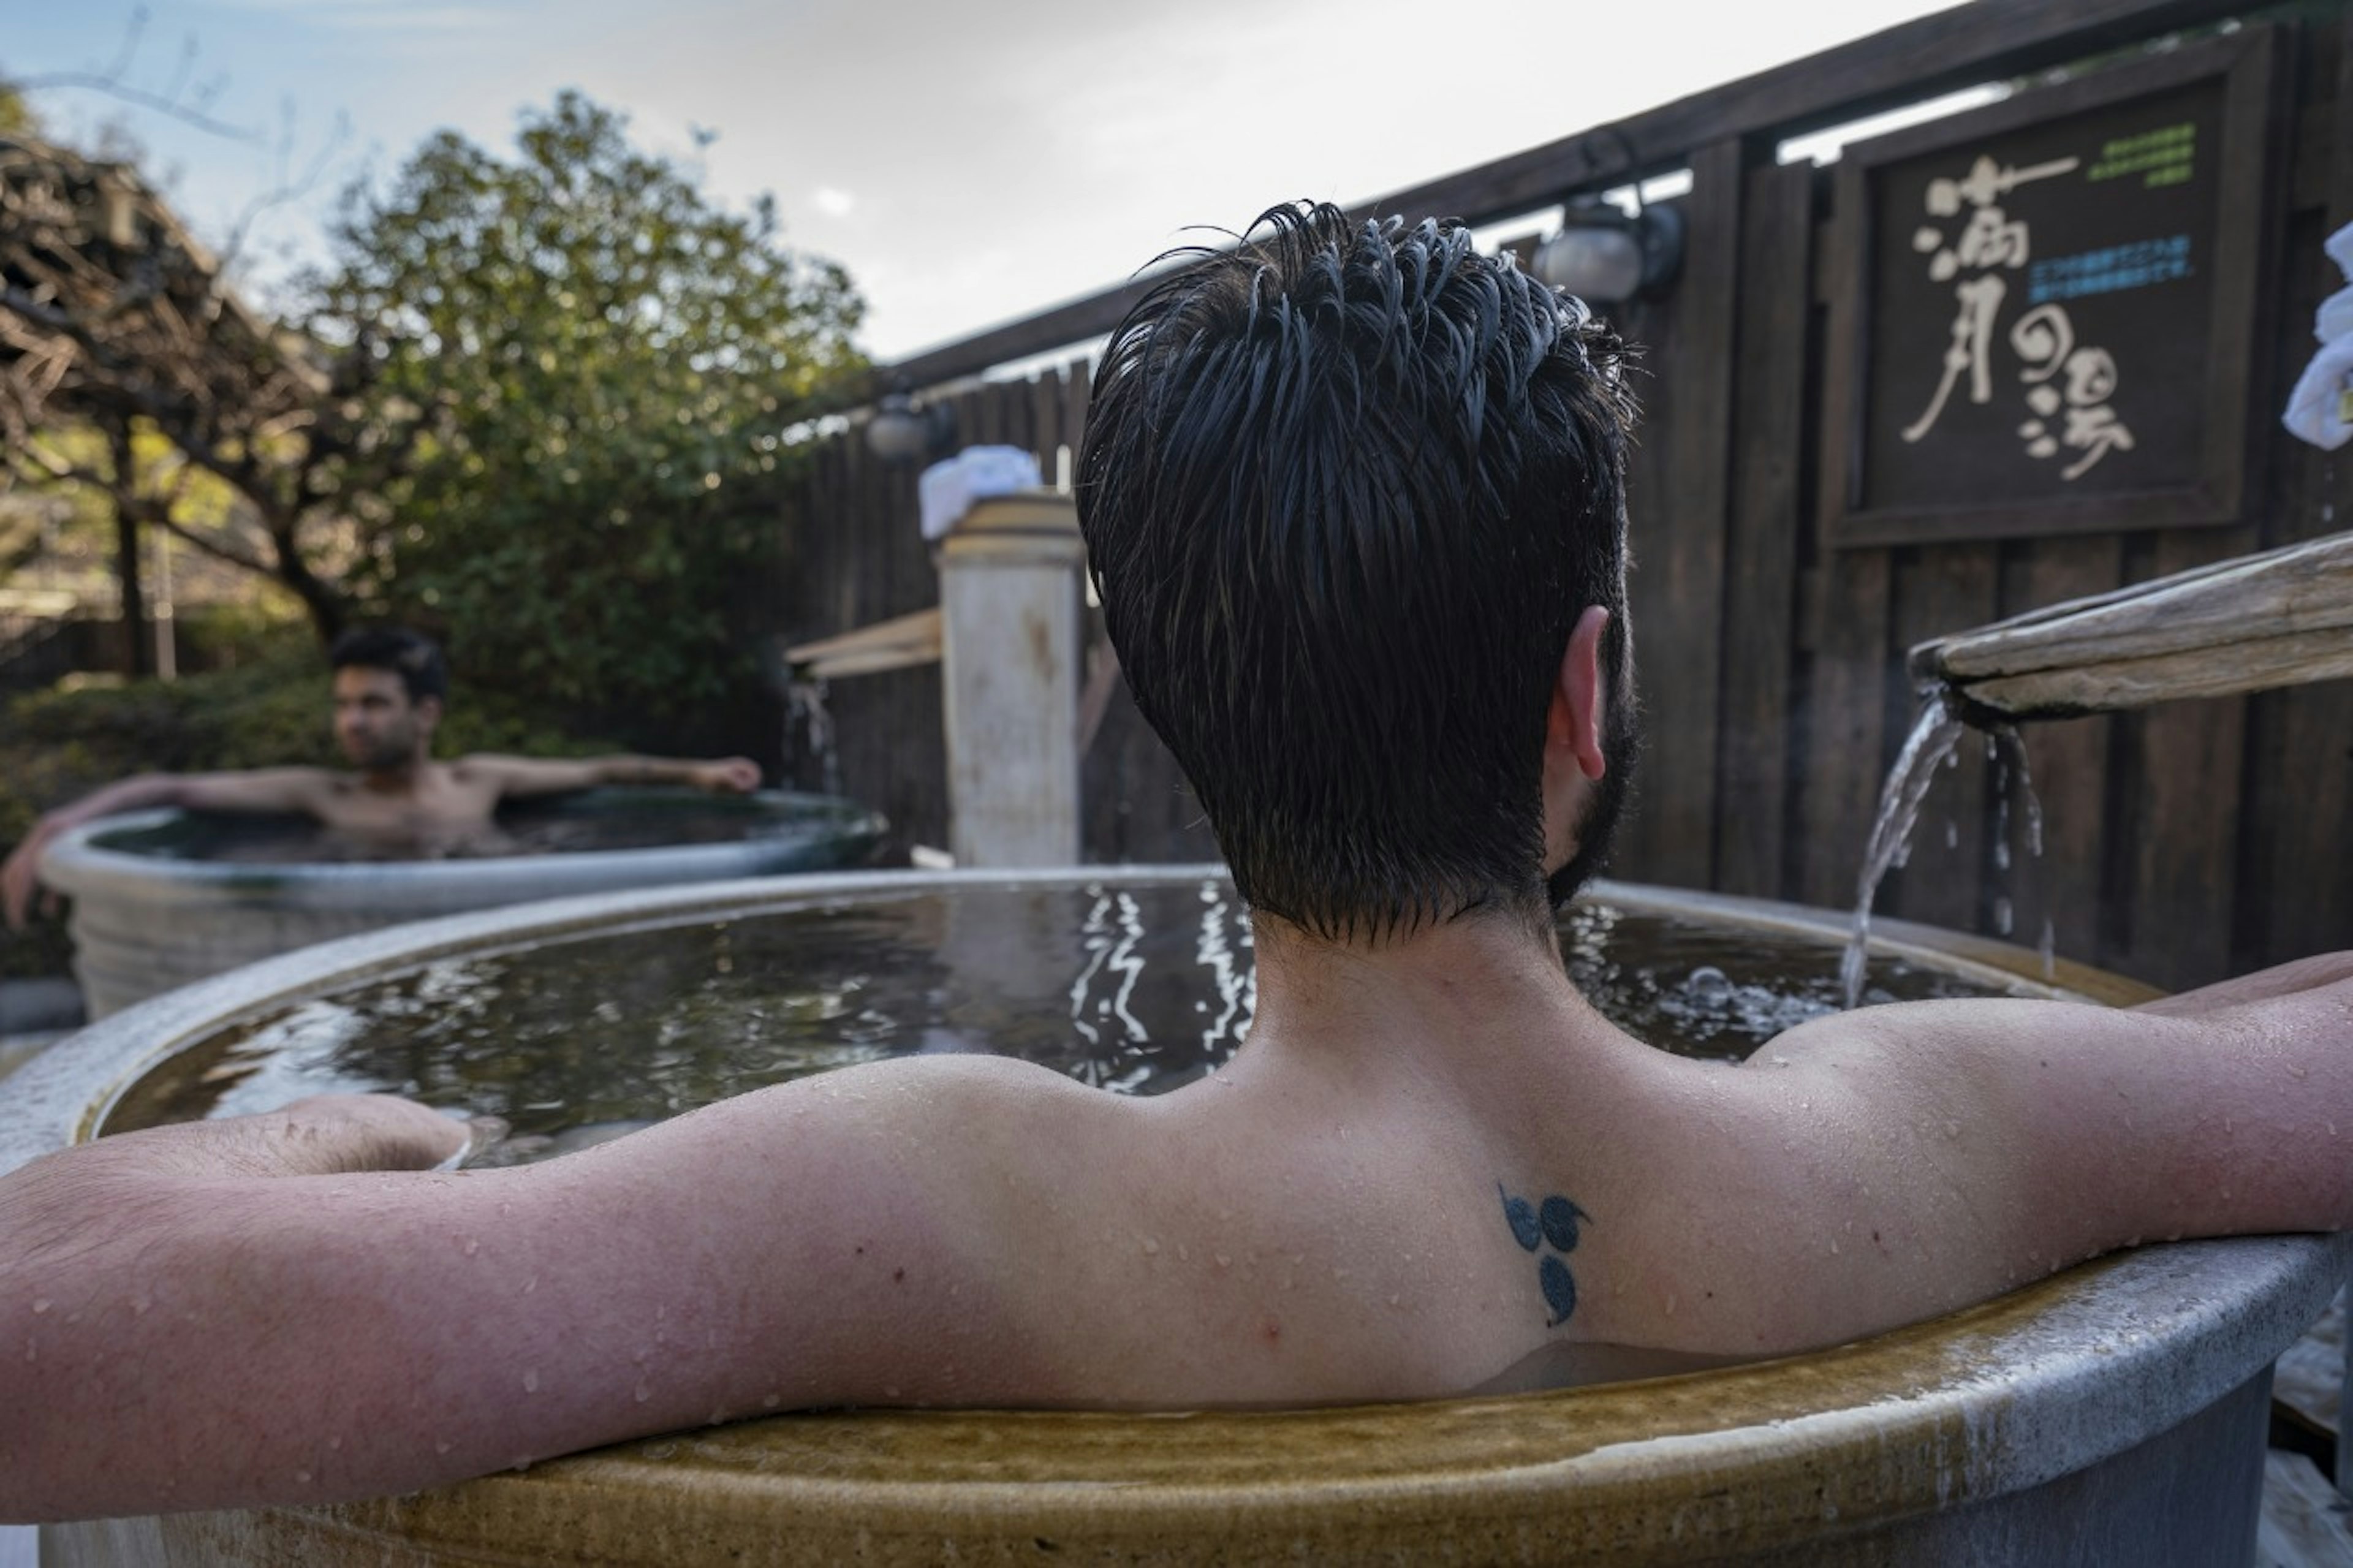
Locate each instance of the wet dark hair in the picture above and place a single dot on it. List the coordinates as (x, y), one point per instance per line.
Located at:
(1346, 489)
(415, 658)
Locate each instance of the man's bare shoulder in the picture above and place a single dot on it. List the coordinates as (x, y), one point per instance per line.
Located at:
(1878, 1166)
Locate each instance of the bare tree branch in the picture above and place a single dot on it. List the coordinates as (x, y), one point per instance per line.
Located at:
(286, 189)
(186, 113)
(192, 109)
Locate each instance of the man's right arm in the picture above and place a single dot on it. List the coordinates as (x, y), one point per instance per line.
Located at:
(258, 790)
(1979, 1145)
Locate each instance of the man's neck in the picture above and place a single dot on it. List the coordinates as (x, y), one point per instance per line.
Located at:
(1454, 994)
(403, 778)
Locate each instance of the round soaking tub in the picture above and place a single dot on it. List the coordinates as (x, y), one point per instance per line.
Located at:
(162, 897)
(2116, 1412)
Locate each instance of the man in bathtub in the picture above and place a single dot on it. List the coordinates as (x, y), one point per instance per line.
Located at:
(1352, 498)
(389, 688)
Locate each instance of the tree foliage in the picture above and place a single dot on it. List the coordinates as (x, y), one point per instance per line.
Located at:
(115, 323)
(535, 404)
(587, 367)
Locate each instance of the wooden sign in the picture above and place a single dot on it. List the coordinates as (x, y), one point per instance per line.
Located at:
(2042, 312)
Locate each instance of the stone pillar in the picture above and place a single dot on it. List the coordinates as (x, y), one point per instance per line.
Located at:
(1009, 605)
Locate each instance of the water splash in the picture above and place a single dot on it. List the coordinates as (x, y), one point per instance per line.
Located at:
(1232, 981)
(1929, 747)
(804, 709)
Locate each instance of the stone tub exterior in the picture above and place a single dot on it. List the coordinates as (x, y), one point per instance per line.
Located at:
(145, 923)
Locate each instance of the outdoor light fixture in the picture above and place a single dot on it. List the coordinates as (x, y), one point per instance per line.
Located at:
(901, 432)
(1607, 256)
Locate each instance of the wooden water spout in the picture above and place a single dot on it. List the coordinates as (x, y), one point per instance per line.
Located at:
(2249, 624)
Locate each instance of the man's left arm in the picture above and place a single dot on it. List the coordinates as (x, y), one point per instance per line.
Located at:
(521, 776)
(286, 1308)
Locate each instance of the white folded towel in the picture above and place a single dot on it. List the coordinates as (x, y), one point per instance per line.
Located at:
(948, 489)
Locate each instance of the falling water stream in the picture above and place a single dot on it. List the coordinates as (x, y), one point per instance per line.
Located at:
(805, 707)
(1934, 742)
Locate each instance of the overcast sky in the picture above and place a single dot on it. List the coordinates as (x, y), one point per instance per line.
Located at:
(968, 163)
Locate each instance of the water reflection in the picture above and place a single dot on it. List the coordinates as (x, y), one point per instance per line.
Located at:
(1135, 988)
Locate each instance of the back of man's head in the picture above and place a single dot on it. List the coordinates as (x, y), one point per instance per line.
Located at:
(1346, 491)
(415, 658)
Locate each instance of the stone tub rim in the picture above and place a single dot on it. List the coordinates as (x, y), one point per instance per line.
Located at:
(75, 865)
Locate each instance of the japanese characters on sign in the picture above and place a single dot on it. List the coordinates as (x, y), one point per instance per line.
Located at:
(2036, 328)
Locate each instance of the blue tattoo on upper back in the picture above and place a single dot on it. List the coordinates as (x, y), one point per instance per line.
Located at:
(1533, 1226)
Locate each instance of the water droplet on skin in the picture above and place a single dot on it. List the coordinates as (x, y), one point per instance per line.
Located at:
(140, 1304)
(890, 1391)
(1952, 1130)
(1393, 1300)
(1150, 1247)
(1183, 1256)
(440, 1447)
(1834, 1251)
(472, 1247)
(1670, 1305)
(531, 1381)
(40, 1304)
(770, 1401)
(302, 1477)
(1224, 1261)
(1780, 1062)
(530, 1284)
(28, 1350)
(643, 1392)
(334, 1442)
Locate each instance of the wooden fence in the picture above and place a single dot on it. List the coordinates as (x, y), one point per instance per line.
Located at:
(2182, 843)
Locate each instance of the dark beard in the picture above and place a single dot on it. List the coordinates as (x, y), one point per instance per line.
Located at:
(1621, 748)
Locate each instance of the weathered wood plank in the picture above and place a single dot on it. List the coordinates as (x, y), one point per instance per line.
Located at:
(2185, 873)
(2229, 669)
(1943, 587)
(2307, 586)
(1680, 546)
(2067, 761)
(1045, 402)
(1848, 746)
(2295, 896)
(1762, 543)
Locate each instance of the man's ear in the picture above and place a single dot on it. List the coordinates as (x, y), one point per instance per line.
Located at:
(1578, 698)
(429, 712)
